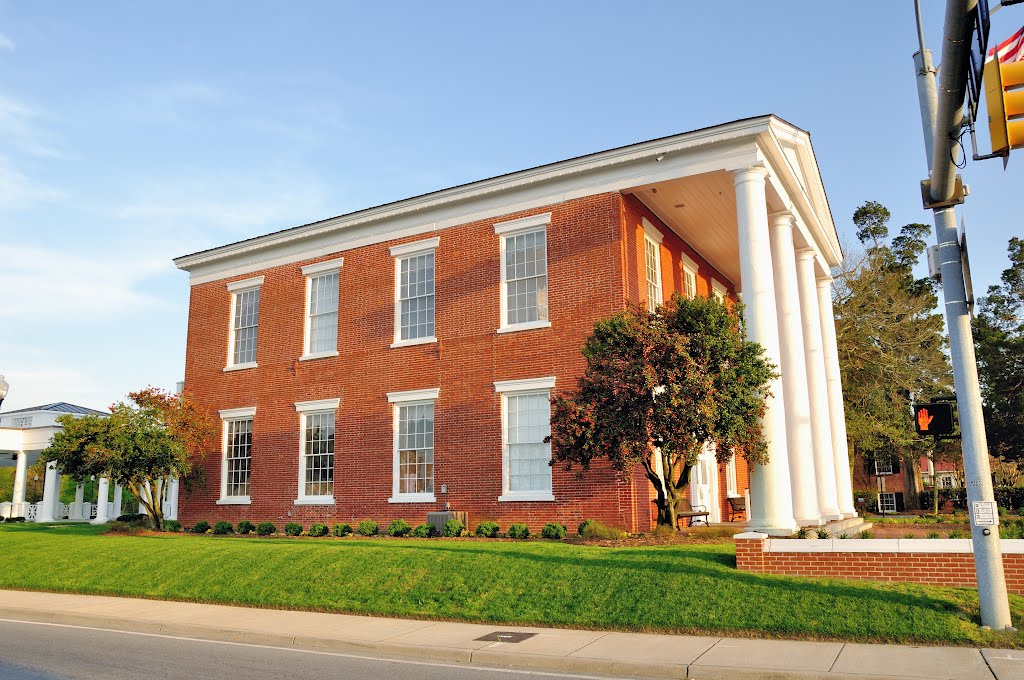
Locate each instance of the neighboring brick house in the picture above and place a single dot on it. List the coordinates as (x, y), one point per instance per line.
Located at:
(379, 364)
(889, 479)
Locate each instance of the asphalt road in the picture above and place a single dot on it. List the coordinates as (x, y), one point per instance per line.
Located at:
(31, 651)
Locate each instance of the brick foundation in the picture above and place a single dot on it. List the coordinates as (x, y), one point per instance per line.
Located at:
(940, 562)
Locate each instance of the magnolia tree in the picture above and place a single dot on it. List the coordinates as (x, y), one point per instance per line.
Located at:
(142, 445)
(658, 388)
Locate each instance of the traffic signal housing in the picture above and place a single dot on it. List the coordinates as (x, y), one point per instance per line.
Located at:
(1004, 98)
(934, 419)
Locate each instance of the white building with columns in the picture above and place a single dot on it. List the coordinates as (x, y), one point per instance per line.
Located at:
(24, 433)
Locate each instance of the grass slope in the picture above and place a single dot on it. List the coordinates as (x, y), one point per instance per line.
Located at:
(682, 588)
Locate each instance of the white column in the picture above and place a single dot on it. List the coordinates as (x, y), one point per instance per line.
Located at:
(794, 374)
(817, 388)
(102, 494)
(20, 481)
(771, 505)
(837, 414)
(117, 500)
(78, 509)
(171, 509)
(51, 493)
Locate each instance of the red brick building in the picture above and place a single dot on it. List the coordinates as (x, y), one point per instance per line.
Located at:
(378, 364)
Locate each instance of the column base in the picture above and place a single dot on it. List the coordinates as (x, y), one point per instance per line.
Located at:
(98, 520)
(810, 522)
(836, 517)
(780, 529)
(848, 515)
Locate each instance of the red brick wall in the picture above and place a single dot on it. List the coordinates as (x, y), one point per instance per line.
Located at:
(941, 569)
(584, 283)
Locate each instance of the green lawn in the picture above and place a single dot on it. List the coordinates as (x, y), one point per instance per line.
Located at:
(680, 588)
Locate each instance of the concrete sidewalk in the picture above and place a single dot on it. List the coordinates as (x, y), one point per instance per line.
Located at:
(549, 649)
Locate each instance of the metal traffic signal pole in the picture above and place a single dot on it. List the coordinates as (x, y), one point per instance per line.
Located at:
(942, 119)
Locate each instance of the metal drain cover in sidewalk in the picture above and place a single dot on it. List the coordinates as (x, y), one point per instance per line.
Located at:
(505, 636)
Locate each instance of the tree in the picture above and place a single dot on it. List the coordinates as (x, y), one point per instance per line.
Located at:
(891, 344)
(999, 345)
(658, 388)
(141, 446)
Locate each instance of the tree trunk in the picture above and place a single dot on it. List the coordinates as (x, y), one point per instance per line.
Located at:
(912, 482)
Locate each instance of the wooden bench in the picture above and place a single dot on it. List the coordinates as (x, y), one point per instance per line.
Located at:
(694, 514)
(737, 508)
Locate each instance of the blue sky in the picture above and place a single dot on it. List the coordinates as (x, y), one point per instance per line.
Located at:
(131, 133)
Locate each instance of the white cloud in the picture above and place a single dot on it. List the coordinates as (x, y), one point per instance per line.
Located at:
(18, 191)
(6, 43)
(20, 130)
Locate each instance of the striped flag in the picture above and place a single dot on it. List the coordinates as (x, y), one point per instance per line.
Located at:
(1011, 49)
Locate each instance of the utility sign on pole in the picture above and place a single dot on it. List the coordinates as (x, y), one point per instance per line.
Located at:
(933, 419)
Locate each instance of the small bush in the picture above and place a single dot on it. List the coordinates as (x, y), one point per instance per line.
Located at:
(802, 532)
(265, 529)
(15, 519)
(519, 530)
(293, 528)
(956, 533)
(342, 529)
(246, 527)
(664, 531)
(553, 530)
(116, 527)
(865, 533)
(582, 527)
(843, 534)
(822, 532)
(909, 534)
(597, 531)
(131, 518)
(317, 530)
(367, 528)
(172, 525)
(399, 527)
(453, 528)
(487, 529)
(201, 527)
(423, 531)
(932, 534)
(222, 527)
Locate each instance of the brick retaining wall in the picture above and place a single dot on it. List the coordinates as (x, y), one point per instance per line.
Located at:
(941, 562)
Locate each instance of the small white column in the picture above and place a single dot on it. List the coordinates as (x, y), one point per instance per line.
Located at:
(837, 414)
(817, 389)
(771, 505)
(171, 507)
(20, 482)
(117, 501)
(102, 494)
(51, 493)
(78, 509)
(794, 374)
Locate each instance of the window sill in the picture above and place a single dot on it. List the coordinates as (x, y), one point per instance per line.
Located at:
(414, 341)
(535, 496)
(413, 498)
(528, 326)
(235, 500)
(315, 500)
(318, 355)
(240, 367)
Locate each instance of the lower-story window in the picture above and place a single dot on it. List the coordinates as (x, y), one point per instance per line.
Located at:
(414, 446)
(236, 467)
(526, 422)
(316, 451)
(890, 502)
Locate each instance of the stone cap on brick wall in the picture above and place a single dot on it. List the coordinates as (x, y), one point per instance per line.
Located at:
(876, 545)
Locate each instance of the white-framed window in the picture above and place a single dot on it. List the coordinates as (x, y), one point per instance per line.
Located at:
(730, 478)
(236, 456)
(947, 481)
(887, 502)
(321, 321)
(883, 467)
(23, 421)
(652, 260)
(413, 468)
(690, 269)
(524, 273)
(414, 292)
(525, 422)
(316, 451)
(245, 316)
(718, 290)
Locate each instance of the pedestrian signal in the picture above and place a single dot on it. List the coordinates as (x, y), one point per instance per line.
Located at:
(933, 419)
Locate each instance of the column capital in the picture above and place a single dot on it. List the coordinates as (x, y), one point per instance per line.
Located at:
(824, 281)
(783, 218)
(753, 173)
(804, 253)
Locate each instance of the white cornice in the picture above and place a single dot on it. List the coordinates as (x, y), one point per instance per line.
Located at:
(414, 395)
(317, 405)
(230, 413)
(245, 284)
(523, 385)
(568, 179)
(415, 247)
(323, 267)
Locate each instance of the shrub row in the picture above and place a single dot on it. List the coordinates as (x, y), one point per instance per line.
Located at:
(590, 529)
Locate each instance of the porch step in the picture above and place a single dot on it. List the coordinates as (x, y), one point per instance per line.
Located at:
(851, 526)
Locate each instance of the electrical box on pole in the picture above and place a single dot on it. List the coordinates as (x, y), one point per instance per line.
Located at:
(1004, 97)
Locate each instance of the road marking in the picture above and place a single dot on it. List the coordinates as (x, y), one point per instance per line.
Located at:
(300, 650)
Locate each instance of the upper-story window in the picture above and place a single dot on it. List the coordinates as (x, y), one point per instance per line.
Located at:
(690, 268)
(321, 337)
(652, 258)
(236, 456)
(245, 315)
(413, 465)
(414, 292)
(524, 273)
(718, 291)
